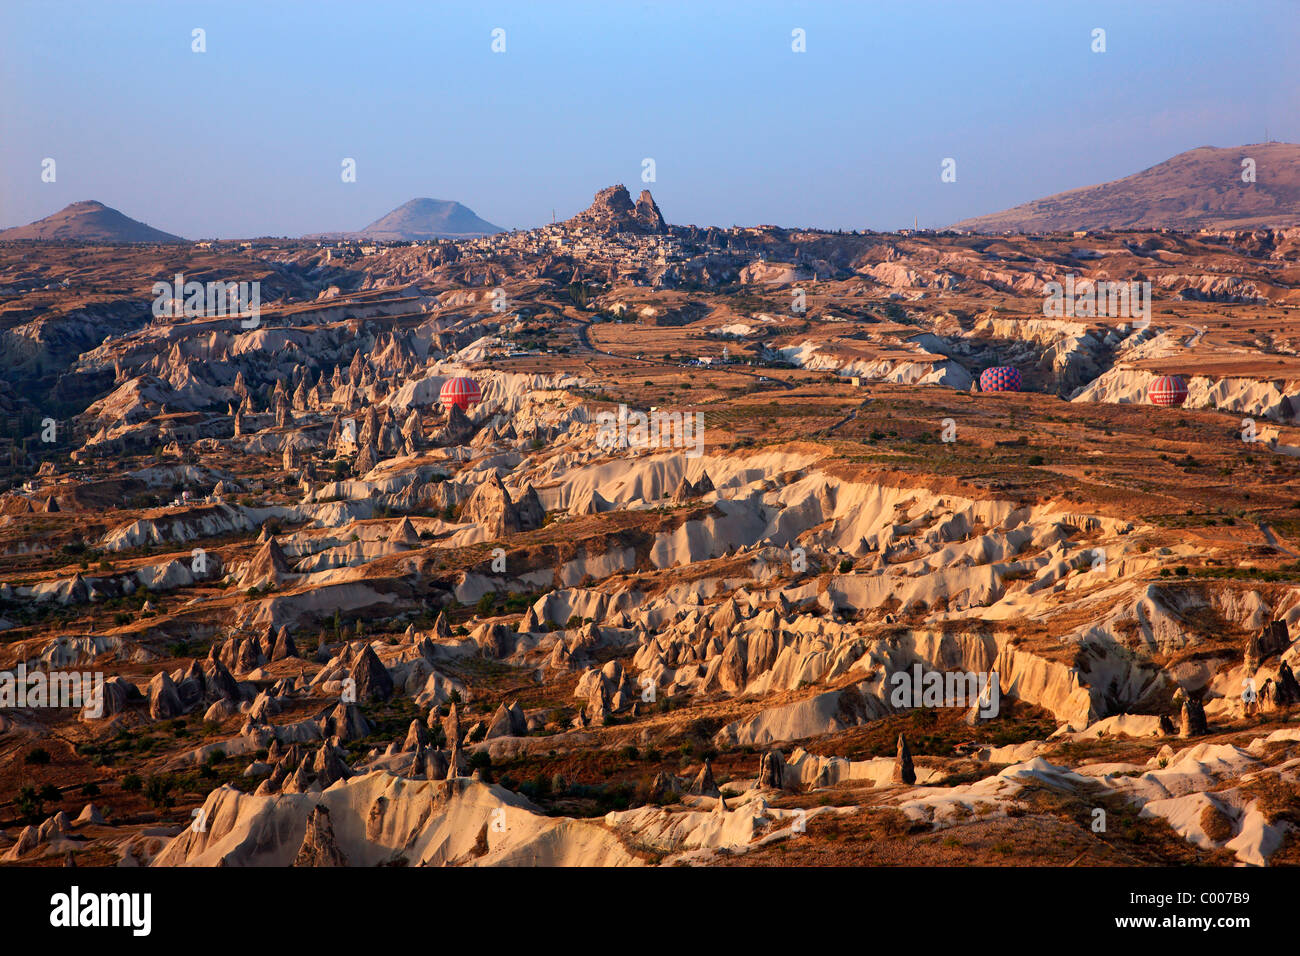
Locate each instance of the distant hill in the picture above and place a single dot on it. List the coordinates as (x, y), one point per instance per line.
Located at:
(89, 221)
(1198, 189)
(422, 219)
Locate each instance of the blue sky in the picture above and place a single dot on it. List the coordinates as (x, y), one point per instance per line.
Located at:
(248, 138)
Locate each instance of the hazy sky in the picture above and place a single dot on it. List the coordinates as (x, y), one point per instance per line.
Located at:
(248, 138)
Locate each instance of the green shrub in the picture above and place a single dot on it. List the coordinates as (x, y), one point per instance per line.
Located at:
(158, 791)
(30, 805)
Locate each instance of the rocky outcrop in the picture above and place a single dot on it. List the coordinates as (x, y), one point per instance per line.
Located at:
(687, 490)
(457, 430)
(373, 681)
(380, 819)
(164, 700)
(663, 788)
(495, 639)
(219, 683)
(613, 211)
(904, 772)
(455, 760)
(1285, 690)
(530, 623)
(492, 510)
(647, 213)
(507, 721)
(771, 771)
(268, 567)
(1273, 639)
(345, 722)
(366, 460)
(704, 785)
(328, 765)
(1193, 723)
(417, 736)
(404, 534)
(284, 646)
(89, 816)
(435, 765)
(319, 846)
(529, 508)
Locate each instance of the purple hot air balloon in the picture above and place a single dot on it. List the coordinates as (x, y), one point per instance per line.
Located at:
(1003, 378)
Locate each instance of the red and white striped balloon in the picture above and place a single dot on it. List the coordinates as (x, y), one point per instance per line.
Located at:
(460, 391)
(1167, 390)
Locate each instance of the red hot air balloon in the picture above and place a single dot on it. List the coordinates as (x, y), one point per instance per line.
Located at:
(1167, 390)
(460, 391)
(1003, 378)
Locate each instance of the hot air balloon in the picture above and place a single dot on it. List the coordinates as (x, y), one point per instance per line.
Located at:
(460, 391)
(1003, 378)
(1167, 390)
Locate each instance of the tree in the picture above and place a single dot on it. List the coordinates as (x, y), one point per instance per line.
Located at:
(158, 791)
(30, 805)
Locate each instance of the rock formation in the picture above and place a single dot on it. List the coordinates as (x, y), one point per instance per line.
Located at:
(1193, 719)
(164, 701)
(372, 678)
(613, 211)
(491, 509)
(284, 646)
(319, 847)
(904, 772)
(771, 771)
(704, 785)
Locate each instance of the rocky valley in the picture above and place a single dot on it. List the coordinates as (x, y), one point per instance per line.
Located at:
(621, 543)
